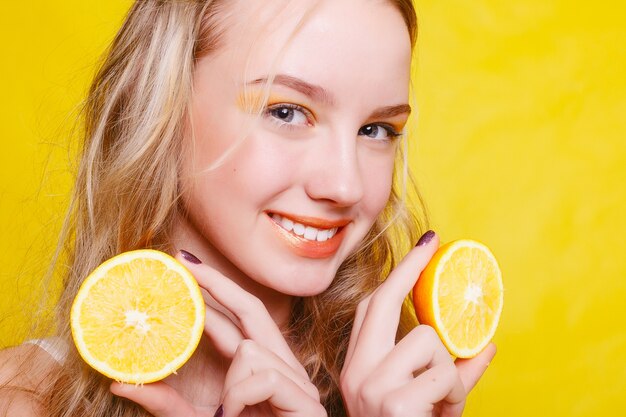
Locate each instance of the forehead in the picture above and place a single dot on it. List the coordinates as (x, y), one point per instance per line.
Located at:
(339, 44)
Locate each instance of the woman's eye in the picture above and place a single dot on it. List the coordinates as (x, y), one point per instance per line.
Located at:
(378, 132)
(288, 114)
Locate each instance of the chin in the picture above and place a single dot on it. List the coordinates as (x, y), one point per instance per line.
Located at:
(301, 284)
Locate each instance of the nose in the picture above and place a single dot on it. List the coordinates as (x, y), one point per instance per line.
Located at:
(334, 173)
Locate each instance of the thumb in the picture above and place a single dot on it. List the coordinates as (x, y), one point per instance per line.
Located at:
(158, 398)
(470, 370)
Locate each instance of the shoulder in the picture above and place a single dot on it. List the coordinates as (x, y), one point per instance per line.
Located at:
(22, 371)
(26, 365)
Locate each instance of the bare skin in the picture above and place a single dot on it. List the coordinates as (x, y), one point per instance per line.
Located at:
(21, 401)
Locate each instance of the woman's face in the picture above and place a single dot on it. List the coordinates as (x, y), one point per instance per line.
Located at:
(283, 198)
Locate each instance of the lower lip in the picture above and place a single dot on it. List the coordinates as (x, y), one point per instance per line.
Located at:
(310, 248)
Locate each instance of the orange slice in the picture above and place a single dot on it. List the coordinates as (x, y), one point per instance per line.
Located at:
(460, 294)
(138, 317)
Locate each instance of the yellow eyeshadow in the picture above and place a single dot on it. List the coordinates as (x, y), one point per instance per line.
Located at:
(398, 127)
(253, 101)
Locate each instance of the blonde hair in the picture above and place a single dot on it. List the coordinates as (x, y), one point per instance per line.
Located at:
(127, 195)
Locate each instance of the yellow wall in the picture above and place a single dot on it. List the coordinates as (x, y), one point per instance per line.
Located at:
(47, 57)
(521, 144)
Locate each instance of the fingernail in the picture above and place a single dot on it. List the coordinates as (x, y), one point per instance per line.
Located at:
(220, 410)
(190, 257)
(426, 237)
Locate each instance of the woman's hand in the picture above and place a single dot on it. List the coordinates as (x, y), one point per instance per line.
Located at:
(263, 367)
(416, 377)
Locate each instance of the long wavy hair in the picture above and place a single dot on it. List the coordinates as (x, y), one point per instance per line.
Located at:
(127, 196)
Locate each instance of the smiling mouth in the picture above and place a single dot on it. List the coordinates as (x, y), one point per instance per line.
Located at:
(307, 232)
(309, 237)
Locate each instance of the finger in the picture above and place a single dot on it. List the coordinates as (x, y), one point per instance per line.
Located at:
(420, 349)
(451, 409)
(285, 397)
(359, 316)
(252, 358)
(222, 332)
(253, 318)
(417, 398)
(472, 369)
(402, 279)
(380, 324)
(159, 399)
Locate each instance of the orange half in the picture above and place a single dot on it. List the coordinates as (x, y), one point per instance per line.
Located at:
(460, 294)
(138, 317)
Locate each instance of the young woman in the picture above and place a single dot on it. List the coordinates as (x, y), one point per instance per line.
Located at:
(257, 141)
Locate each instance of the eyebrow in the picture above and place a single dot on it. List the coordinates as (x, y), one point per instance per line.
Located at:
(391, 111)
(319, 94)
(313, 91)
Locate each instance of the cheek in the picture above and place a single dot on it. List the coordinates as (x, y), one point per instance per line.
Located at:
(378, 179)
(250, 175)
(266, 163)
(258, 171)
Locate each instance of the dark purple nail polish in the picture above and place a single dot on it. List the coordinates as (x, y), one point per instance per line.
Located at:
(426, 237)
(219, 412)
(190, 257)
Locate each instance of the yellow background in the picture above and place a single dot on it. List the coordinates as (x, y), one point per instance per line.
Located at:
(521, 144)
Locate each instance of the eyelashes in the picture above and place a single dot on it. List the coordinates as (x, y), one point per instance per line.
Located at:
(379, 131)
(292, 117)
(289, 115)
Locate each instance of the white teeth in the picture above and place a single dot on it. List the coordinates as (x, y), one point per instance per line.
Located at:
(308, 232)
(287, 224)
(299, 229)
(322, 235)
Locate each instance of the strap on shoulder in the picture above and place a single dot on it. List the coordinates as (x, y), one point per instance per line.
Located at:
(54, 346)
